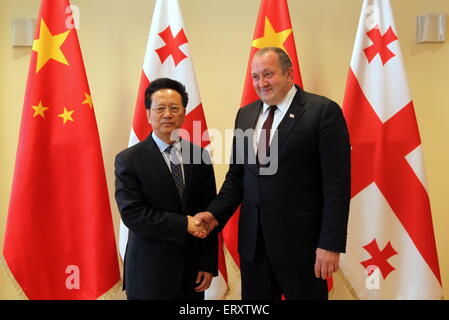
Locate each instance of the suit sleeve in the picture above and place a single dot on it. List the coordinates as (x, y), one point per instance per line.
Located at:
(137, 215)
(231, 192)
(209, 248)
(335, 157)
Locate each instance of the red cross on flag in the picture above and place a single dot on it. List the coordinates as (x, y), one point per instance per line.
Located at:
(391, 252)
(168, 56)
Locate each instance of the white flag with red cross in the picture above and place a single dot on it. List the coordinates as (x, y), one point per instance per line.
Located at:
(168, 56)
(391, 252)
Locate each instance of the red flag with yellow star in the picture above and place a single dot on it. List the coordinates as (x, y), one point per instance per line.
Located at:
(273, 29)
(59, 240)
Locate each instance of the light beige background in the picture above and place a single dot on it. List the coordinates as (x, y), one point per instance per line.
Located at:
(113, 38)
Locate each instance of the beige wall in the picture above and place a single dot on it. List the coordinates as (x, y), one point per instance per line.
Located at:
(113, 37)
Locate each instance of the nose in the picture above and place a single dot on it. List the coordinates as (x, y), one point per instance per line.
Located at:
(167, 113)
(263, 82)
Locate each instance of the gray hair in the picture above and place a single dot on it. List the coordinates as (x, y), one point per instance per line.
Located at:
(284, 59)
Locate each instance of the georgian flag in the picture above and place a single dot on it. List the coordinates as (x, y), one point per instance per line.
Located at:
(391, 251)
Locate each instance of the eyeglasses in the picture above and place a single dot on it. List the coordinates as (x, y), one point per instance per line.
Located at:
(173, 109)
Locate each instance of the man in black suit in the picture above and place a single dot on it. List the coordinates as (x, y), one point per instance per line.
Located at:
(159, 181)
(294, 191)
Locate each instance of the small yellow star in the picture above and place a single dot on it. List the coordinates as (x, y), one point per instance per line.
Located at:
(88, 100)
(271, 38)
(67, 115)
(48, 46)
(39, 110)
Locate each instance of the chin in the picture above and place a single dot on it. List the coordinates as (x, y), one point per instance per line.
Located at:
(168, 131)
(268, 101)
(267, 98)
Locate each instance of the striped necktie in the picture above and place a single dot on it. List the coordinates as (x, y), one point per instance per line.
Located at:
(176, 170)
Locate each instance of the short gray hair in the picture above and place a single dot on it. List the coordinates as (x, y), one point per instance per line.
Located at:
(284, 59)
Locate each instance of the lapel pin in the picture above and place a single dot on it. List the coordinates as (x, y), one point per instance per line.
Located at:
(292, 116)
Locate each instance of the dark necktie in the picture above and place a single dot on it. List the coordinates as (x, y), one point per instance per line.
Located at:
(176, 170)
(263, 151)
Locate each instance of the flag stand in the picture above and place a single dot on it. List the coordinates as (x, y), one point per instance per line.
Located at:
(10, 278)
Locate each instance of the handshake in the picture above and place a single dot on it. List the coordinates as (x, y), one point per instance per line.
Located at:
(201, 224)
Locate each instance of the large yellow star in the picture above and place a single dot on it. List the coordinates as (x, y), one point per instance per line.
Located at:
(271, 38)
(39, 110)
(48, 46)
(67, 115)
(88, 100)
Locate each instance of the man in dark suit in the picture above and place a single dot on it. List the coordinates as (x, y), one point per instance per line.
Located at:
(159, 181)
(295, 195)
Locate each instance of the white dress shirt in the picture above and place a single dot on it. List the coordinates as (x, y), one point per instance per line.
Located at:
(162, 145)
(278, 116)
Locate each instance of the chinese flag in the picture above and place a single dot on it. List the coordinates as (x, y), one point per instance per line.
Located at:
(391, 252)
(59, 240)
(273, 29)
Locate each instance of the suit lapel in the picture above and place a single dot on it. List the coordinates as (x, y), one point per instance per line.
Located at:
(294, 113)
(157, 164)
(253, 116)
(250, 123)
(187, 160)
(291, 118)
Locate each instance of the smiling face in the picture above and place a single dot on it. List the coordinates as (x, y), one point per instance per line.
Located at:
(165, 123)
(269, 80)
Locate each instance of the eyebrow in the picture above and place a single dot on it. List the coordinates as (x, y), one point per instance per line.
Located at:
(264, 70)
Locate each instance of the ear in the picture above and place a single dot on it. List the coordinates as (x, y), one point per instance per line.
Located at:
(147, 111)
(290, 75)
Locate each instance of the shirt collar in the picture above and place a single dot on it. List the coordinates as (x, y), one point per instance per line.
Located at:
(162, 145)
(286, 102)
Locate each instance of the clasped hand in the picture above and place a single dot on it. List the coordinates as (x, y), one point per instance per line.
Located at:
(201, 224)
